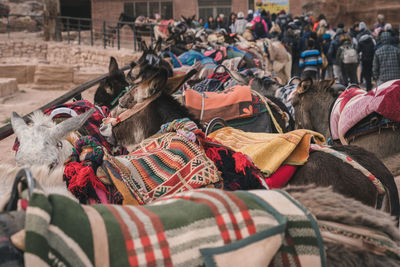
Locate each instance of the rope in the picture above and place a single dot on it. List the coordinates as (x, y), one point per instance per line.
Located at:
(264, 99)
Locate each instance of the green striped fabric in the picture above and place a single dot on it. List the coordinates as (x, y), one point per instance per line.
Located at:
(201, 227)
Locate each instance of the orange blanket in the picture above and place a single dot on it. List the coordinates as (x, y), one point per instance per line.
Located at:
(233, 103)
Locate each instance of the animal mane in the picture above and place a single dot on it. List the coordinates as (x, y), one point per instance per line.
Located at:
(38, 118)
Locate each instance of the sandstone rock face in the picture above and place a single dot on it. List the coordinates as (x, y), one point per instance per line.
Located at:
(22, 7)
(349, 12)
(8, 86)
(22, 73)
(53, 74)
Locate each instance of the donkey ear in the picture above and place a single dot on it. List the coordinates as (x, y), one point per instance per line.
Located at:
(157, 47)
(304, 86)
(174, 83)
(18, 124)
(326, 84)
(113, 67)
(144, 46)
(239, 77)
(71, 124)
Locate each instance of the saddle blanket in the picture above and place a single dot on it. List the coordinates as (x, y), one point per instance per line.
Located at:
(206, 227)
(270, 151)
(355, 104)
(164, 164)
(286, 94)
(232, 103)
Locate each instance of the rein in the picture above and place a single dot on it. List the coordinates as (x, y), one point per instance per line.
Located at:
(115, 101)
(266, 101)
(132, 111)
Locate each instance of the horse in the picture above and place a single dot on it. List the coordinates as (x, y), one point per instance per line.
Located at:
(312, 104)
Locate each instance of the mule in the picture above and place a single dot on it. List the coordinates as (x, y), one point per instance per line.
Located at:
(312, 104)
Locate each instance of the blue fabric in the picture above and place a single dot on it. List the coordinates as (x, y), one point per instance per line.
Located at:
(188, 58)
(175, 60)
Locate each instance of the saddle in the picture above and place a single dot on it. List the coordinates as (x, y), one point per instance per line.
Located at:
(355, 104)
(233, 103)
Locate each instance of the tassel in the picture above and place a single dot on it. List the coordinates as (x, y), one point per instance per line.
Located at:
(241, 162)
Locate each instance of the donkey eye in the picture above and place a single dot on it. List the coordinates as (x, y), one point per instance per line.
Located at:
(59, 144)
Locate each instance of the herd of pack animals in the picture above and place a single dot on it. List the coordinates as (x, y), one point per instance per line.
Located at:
(331, 189)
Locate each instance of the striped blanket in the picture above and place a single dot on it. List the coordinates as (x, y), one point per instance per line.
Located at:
(355, 104)
(286, 94)
(207, 227)
(164, 164)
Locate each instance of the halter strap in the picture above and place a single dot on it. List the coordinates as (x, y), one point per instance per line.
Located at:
(114, 102)
(132, 111)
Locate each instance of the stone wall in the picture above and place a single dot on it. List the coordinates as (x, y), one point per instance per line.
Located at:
(62, 53)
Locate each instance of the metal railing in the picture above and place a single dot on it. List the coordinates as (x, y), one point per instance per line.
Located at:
(94, 32)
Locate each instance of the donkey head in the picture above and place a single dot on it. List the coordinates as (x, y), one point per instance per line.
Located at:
(152, 105)
(148, 64)
(111, 87)
(312, 102)
(42, 143)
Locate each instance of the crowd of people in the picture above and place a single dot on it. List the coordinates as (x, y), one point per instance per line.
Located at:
(319, 50)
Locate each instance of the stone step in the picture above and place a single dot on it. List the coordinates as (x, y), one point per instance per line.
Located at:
(8, 86)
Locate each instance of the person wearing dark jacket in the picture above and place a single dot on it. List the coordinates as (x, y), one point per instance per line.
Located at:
(386, 64)
(333, 48)
(366, 46)
(349, 69)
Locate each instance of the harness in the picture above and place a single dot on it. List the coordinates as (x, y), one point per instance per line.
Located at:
(345, 158)
(115, 101)
(132, 111)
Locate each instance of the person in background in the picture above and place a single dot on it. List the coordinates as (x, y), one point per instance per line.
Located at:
(201, 22)
(221, 24)
(348, 59)
(366, 47)
(310, 61)
(231, 23)
(240, 24)
(210, 24)
(333, 48)
(249, 15)
(380, 22)
(260, 28)
(386, 64)
(325, 41)
(248, 33)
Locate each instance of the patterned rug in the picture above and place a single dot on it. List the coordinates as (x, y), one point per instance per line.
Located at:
(205, 227)
(164, 164)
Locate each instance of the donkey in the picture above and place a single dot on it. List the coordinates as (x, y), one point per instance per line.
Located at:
(338, 218)
(312, 104)
(143, 110)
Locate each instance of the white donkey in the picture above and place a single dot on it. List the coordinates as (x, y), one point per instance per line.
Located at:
(43, 146)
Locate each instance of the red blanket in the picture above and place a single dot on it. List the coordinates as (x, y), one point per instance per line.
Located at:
(354, 104)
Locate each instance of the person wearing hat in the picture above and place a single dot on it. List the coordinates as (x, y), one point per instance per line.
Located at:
(291, 40)
(248, 33)
(250, 15)
(240, 24)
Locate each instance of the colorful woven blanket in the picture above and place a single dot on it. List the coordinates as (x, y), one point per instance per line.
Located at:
(270, 151)
(229, 104)
(164, 164)
(201, 227)
(355, 104)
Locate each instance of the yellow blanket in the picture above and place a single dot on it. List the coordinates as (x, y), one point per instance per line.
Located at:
(269, 151)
